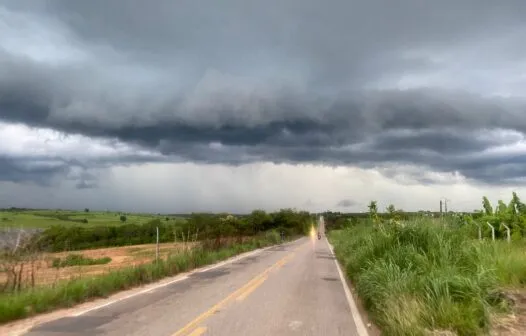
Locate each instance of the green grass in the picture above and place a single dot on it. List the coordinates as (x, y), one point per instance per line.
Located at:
(29, 302)
(79, 260)
(423, 277)
(45, 218)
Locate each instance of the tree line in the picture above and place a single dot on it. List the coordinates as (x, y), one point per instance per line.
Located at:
(340, 220)
(511, 214)
(197, 226)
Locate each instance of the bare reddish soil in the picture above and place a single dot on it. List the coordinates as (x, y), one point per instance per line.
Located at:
(513, 324)
(121, 257)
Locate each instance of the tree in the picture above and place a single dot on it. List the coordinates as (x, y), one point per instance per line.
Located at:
(391, 210)
(259, 220)
(517, 207)
(488, 209)
(373, 210)
(123, 218)
(502, 208)
(86, 210)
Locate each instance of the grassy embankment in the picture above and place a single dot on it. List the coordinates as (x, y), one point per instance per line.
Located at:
(36, 300)
(422, 277)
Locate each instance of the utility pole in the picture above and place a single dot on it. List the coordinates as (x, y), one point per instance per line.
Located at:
(443, 201)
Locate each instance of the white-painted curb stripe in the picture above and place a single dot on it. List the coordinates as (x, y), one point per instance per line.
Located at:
(360, 326)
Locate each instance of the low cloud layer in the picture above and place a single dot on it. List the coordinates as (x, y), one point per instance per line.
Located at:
(346, 203)
(412, 90)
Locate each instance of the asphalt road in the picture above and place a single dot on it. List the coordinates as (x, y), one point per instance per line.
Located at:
(292, 289)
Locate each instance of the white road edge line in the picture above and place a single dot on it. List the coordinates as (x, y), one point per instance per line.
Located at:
(360, 326)
(181, 278)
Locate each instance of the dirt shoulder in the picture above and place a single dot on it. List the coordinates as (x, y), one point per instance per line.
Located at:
(43, 273)
(513, 324)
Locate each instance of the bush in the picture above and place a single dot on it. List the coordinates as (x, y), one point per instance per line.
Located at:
(79, 260)
(273, 237)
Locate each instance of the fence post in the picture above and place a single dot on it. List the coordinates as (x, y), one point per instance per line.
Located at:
(492, 231)
(480, 229)
(157, 245)
(508, 232)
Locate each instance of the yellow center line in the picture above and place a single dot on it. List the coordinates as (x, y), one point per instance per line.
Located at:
(198, 332)
(252, 288)
(238, 292)
(285, 260)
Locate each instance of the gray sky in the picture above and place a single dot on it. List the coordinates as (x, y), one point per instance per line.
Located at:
(233, 105)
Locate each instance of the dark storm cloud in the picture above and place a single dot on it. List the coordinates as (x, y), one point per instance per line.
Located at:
(325, 37)
(85, 185)
(241, 82)
(444, 141)
(346, 203)
(30, 169)
(46, 170)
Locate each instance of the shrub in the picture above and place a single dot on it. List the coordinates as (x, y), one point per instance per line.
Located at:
(79, 260)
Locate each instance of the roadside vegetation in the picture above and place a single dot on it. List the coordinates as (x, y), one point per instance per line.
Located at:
(204, 238)
(79, 260)
(196, 227)
(433, 276)
(71, 231)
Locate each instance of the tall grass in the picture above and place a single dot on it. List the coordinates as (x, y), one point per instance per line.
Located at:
(423, 277)
(68, 293)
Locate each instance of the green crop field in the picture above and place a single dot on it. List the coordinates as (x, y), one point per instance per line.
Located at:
(46, 218)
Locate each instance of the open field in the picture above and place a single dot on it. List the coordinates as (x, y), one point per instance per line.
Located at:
(43, 272)
(45, 218)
